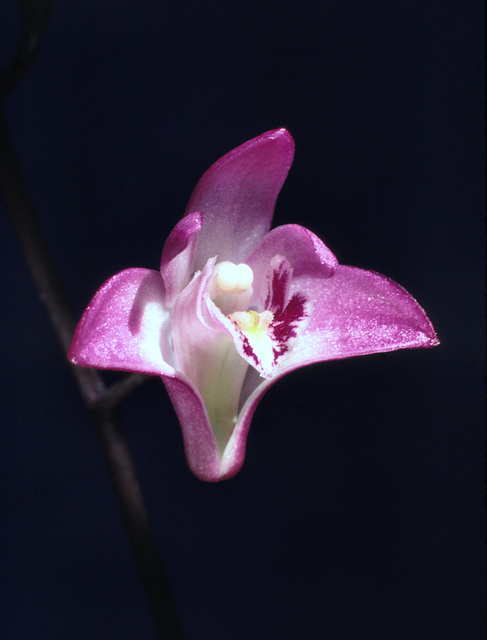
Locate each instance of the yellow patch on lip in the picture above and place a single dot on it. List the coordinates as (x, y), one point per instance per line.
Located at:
(258, 340)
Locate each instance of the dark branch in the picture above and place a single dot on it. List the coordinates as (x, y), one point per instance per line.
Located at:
(34, 17)
(144, 548)
(100, 401)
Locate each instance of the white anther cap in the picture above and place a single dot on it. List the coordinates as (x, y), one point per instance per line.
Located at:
(232, 278)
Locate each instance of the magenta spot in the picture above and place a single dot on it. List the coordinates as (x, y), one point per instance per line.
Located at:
(285, 324)
(287, 317)
(247, 349)
(276, 298)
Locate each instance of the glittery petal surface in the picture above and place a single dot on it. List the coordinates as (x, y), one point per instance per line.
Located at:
(237, 196)
(125, 326)
(356, 312)
(199, 441)
(305, 252)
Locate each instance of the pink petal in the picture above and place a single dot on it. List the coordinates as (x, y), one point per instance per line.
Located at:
(200, 445)
(237, 196)
(125, 326)
(234, 455)
(199, 442)
(177, 261)
(193, 339)
(305, 252)
(356, 312)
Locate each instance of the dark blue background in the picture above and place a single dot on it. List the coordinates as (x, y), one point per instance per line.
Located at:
(359, 510)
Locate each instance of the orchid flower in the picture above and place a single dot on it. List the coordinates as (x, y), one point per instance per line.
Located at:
(235, 306)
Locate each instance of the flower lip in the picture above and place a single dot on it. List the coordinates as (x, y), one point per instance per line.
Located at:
(264, 338)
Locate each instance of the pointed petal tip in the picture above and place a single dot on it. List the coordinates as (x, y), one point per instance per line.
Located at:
(281, 132)
(280, 135)
(276, 142)
(431, 339)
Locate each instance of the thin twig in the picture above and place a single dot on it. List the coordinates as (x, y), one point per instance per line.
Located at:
(34, 16)
(97, 398)
(39, 261)
(142, 541)
(100, 401)
(117, 391)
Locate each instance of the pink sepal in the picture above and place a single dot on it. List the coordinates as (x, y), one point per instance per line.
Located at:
(357, 312)
(125, 326)
(199, 442)
(237, 196)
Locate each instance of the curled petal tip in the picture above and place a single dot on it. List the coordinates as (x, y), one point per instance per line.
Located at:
(274, 134)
